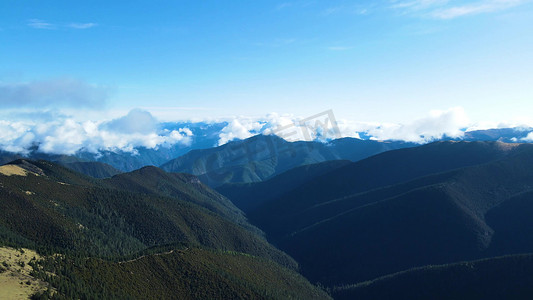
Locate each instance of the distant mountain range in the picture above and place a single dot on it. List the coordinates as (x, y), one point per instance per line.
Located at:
(507, 135)
(261, 157)
(205, 136)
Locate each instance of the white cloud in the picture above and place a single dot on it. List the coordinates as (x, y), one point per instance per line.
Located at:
(418, 4)
(528, 138)
(348, 9)
(475, 8)
(138, 128)
(239, 128)
(449, 9)
(288, 127)
(321, 127)
(53, 93)
(284, 126)
(81, 25)
(67, 136)
(40, 24)
(348, 128)
(136, 121)
(438, 124)
(14, 136)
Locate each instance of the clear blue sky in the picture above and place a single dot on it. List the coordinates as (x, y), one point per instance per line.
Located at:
(383, 61)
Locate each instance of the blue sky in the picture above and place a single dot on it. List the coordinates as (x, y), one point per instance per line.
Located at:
(387, 61)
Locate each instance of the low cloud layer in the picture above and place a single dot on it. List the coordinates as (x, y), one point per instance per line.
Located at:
(68, 136)
(450, 123)
(324, 127)
(528, 138)
(64, 135)
(52, 94)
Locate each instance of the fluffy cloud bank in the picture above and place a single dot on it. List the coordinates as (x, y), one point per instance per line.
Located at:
(528, 138)
(324, 126)
(60, 134)
(450, 123)
(239, 129)
(68, 136)
(53, 93)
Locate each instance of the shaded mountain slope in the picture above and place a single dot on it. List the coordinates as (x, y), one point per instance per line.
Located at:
(433, 220)
(397, 166)
(93, 169)
(476, 188)
(508, 277)
(300, 196)
(248, 196)
(365, 219)
(513, 225)
(415, 229)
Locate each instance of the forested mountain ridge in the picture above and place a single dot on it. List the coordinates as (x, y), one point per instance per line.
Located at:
(55, 210)
(92, 168)
(263, 156)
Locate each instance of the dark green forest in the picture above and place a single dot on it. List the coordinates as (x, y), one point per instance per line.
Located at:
(435, 204)
(103, 239)
(448, 220)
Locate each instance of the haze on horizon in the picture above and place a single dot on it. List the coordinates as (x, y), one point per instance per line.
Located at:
(95, 72)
